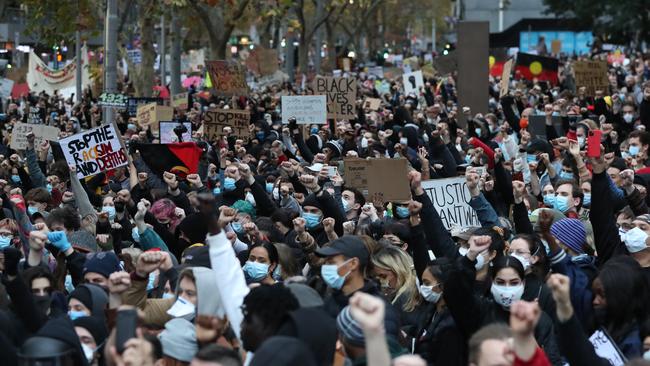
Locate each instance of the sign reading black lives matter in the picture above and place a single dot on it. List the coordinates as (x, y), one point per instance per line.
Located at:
(94, 151)
(451, 198)
(341, 96)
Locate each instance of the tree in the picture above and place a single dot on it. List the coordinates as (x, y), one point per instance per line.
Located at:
(51, 21)
(624, 21)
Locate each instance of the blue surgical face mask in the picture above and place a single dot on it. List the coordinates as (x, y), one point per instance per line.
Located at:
(131, 126)
(110, 210)
(314, 131)
(76, 314)
(555, 113)
(168, 295)
(256, 271)
(565, 175)
(49, 187)
(330, 274)
(346, 205)
(634, 150)
(216, 191)
(260, 135)
(561, 203)
(468, 159)
(401, 212)
(549, 200)
(5, 241)
(586, 201)
(15, 178)
(269, 187)
(32, 210)
(135, 234)
(151, 281)
(277, 273)
(477, 131)
(530, 158)
(229, 184)
(311, 220)
(237, 227)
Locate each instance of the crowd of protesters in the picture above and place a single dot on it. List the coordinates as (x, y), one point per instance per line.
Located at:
(264, 257)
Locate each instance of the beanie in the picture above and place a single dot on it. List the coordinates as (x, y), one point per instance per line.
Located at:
(349, 329)
(244, 207)
(179, 340)
(103, 263)
(82, 293)
(194, 227)
(311, 200)
(95, 326)
(570, 232)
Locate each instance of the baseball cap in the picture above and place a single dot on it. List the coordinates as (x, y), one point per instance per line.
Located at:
(349, 246)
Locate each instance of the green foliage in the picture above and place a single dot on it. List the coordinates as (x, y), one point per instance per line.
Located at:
(53, 21)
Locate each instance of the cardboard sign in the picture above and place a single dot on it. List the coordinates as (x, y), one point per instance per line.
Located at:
(262, 61)
(180, 101)
(446, 64)
(378, 177)
(372, 103)
(307, 109)
(556, 46)
(505, 78)
(133, 103)
(592, 75)
(391, 73)
(168, 136)
(341, 96)
(413, 81)
(606, 348)
(113, 100)
(41, 132)
(94, 151)
(451, 198)
(228, 78)
(151, 114)
(473, 67)
(215, 121)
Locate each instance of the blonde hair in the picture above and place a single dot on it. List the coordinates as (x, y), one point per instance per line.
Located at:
(394, 259)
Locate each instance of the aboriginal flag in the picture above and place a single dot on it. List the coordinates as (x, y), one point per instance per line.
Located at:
(179, 158)
(537, 67)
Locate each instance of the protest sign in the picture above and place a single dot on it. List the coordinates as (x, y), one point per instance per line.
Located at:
(41, 77)
(135, 56)
(592, 75)
(215, 121)
(556, 46)
(180, 101)
(276, 78)
(384, 177)
(307, 109)
(413, 81)
(228, 78)
(113, 100)
(6, 86)
(347, 64)
(94, 151)
(446, 64)
(606, 348)
(505, 78)
(133, 103)
(376, 71)
(35, 115)
(152, 113)
(473, 67)
(451, 198)
(372, 103)
(391, 73)
(262, 61)
(537, 126)
(167, 134)
(341, 96)
(41, 132)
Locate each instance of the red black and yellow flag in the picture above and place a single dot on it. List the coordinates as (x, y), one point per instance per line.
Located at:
(179, 158)
(537, 67)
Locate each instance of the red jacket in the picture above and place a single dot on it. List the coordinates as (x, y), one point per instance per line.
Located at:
(538, 359)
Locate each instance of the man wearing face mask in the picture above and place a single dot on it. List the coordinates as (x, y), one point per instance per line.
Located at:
(638, 148)
(637, 244)
(317, 206)
(92, 334)
(568, 198)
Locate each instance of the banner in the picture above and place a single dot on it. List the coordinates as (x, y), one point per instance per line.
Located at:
(180, 101)
(94, 151)
(307, 109)
(413, 81)
(592, 75)
(341, 96)
(228, 78)
(167, 134)
(215, 121)
(41, 78)
(451, 198)
(43, 133)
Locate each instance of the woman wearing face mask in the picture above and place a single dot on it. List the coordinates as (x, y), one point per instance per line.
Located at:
(262, 261)
(471, 311)
(439, 341)
(393, 270)
(92, 334)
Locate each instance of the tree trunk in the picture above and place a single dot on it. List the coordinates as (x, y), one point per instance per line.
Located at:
(144, 74)
(303, 56)
(175, 57)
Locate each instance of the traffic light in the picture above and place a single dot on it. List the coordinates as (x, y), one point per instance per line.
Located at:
(59, 57)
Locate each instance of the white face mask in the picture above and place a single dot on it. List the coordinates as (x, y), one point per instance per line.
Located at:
(524, 262)
(635, 240)
(429, 295)
(182, 308)
(88, 352)
(480, 259)
(506, 295)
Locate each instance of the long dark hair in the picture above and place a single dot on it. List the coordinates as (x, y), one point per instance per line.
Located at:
(274, 257)
(536, 248)
(502, 262)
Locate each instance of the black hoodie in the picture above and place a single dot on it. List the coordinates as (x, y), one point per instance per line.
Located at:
(62, 329)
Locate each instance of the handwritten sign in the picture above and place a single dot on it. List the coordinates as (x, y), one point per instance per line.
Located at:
(505, 78)
(307, 109)
(133, 103)
(592, 75)
(341, 96)
(386, 178)
(41, 132)
(607, 349)
(151, 114)
(413, 81)
(215, 121)
(262, 61)
(34, 116)
(451, 198)
(168, 136)
(180, 101)
(113, 100)
(228, 78)
(372, 103)
(94, 151)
